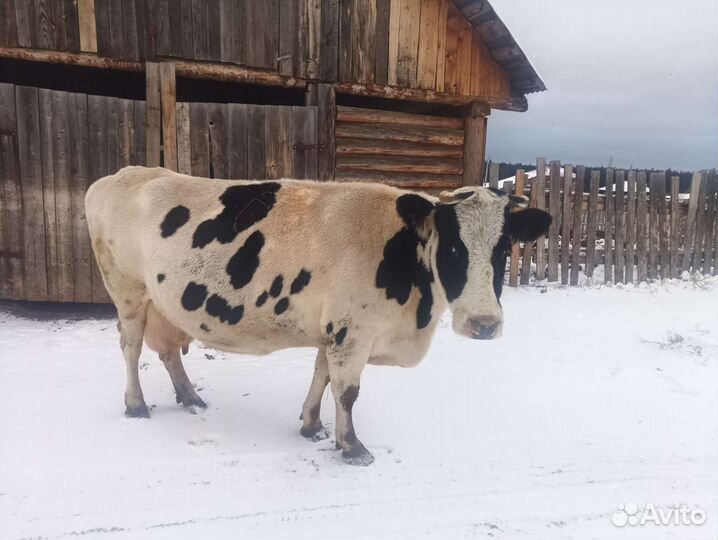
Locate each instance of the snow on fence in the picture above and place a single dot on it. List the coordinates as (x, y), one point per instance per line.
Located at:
(639, 228)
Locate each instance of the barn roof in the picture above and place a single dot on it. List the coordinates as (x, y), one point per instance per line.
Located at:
(501, 44)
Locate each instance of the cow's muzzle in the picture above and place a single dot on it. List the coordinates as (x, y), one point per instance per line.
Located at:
(484, 327)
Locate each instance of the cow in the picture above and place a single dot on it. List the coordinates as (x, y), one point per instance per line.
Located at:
(363, 272)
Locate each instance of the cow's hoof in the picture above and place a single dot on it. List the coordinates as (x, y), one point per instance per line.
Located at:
(193, 401)
(358, 455)
(140, 411)
(314, 433)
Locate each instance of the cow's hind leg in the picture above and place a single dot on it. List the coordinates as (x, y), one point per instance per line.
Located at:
(312, 427)
(131, 326)
(184, 390)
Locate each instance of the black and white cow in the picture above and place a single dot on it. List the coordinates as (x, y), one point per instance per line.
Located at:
(363, 272)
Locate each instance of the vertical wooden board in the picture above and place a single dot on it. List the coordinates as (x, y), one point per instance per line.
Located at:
(609, 227)
(271, 33)
(566, 222)
(256, 162)
(381, 46)
(463, 58)
(237, 151)
(298, 143)
(516, 248)
(428, 44)
(130, 30)
(168, 100)
(152, 109)
(255, 42)
(407, 59)
(691, 222)
(116, 29)
(540, 182)
(199, 139)
(43, 36)
(184, 163)
(477, 64)
(72, 25)
(185, 7)
(675, 233)
(47, 138)
(310, 136)
(329, 40)
(139, 147)
(143, 30)
(654, 228)
(709, 240)
(200, 30)
(347, 10)
(393, 53)
(441, 45)
(214, 44)
(620, 260)
(231, 30)
(577, 224)
(301, 33)
(555, 211)
(161, 27)
(641, 228)
(475, 124)
(102, 27)
(698, 243)
(311, 59)
(24, 21)
(592, 223)
(218, 140)
(528, 246)
(278, 141)
(454, 23)
(363, 41)
(30, 161)
(87, 25)
(113, 135)
(171, 35)
(97, 168)
(287, 25)
(58, 25)
(494, 175)
(663, 226)
(125, 136)
(8, 24)
(79, 182)
(326, 118)
(630, 225)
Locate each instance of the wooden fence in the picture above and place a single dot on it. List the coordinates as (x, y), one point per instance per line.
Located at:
(639, 228)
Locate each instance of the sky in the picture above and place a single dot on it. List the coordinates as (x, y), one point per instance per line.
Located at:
(635, 81)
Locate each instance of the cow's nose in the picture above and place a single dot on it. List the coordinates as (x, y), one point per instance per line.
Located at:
(484, 327)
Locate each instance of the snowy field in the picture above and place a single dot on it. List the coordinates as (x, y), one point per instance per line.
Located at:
(593, 398)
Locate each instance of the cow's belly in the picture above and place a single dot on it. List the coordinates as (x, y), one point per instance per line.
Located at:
(401, 350)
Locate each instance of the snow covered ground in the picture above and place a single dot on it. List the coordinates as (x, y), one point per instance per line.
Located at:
(593, 398)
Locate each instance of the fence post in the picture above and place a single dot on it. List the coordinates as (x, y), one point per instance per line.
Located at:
(577, 223)
(698, 246)
(663, 228)
(566, 222)
(608, 241)
(494, 175)
(475, 144)
(540, 183)
(555, 211)
(620, 231)
(630, 225)
(168, 92)
(641, 227)
(691, 222)
(326, 117)
(592, 223)
(709, 258)
(152, 110)
(528, 246)
(655, 224)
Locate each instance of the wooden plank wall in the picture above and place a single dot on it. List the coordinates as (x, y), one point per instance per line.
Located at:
(53, 146)
(401, 149)
(643, 229)
(40, 24)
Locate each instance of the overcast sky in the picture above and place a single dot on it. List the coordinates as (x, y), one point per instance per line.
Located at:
(635, 80)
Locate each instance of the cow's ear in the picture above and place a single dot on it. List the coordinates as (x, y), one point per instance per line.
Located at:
(456, 196)
(414, 209)
(528, 225)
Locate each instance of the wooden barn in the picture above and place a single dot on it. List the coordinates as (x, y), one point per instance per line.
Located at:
(392, 91)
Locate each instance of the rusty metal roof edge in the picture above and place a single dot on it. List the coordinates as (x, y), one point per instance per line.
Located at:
(488, 13)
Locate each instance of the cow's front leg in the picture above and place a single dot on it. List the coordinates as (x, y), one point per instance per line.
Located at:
(345, 373)
(312, 427)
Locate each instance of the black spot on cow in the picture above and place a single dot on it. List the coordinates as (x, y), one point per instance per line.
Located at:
(349, 396)
(194, 296)
(244, 263)
(401, 270)
(220, 308)
(262, 299)
(339, 337)
(204, 327)
(281, 306)
(301, 281)
(498, 258)
(497, 191)
(452, 257)
(244, 206)
(277, 285)
(413, 209)
(160, 278)
(330, 328)
(174, 219)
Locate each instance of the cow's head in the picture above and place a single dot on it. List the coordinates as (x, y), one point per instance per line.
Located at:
(476, 229)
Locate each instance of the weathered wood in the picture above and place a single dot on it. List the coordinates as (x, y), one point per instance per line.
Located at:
(30, 162)
(131, 36)
(143, 30)
(199, 139)
(301, 33)
(528, 246)
(378, 116)
(619, 213)
(161, 30)
(592, 222)
(326, 115)
(287, 28)
(663, 225)
(311, 137)
(168, 99)
(43, 37)
(566, 222)
(219, 140)
(540, 183)
(363, 41)
(24, 19)
(88, 29)
(8, 37)
(609, 227)
(72, 25)
(577, 224)
(185, 7)
(153, 100)
(630, 225)
(346, 11)
(555, 211)
(12, 282)
(408, 56)
(494, 175)
(381, 47)
(428, 44)
(475, 125)
(232, 26)
(184, 161)
(116, 29)
(441, 45)
(690, 238)
(654, 228)
(237, 140)
(400, 133)
(404, 180)
(675, 236)
(709, 239)
(58, 25)
(298, 142)
(464, 44)
(641, 228)
(698, 244)
(113, 135)
(262, 33)
(79, 182)
(454, 23)
(125, 128)
(47, 140)
(256, 162)
(393, 54)
(381, 147)
(200, 30)
(214, 50)
(139, 147)
(97, 168)
(398, 164)
(329, 41)
(277, 142)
